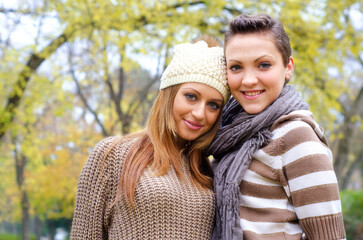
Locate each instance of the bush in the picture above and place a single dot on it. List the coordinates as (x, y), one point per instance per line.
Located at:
(352, 204)
(13, 237)
(9, 237)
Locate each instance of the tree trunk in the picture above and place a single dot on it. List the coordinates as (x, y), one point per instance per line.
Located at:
(25, 233)
(20, 163)
(341, 158)
(38, 227)
(344, 144)
(51, 228)
(356, 164)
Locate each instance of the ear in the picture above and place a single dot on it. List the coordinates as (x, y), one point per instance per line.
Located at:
(289, 69)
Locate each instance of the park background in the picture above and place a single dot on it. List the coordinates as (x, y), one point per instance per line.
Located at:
(75, 71)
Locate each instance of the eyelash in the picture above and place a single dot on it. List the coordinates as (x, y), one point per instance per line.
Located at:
(267, 65)
(190, 96)
(212, 105)
(235, 67)
(263, 65)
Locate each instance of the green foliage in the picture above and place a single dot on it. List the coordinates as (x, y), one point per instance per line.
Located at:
(55, 130)
(14, 237)
(352, 203)
(9, 197)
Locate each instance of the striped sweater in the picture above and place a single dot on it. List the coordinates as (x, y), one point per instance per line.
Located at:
(165, 207)
(290, 190)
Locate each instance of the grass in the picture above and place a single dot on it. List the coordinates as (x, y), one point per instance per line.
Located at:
(13, 237)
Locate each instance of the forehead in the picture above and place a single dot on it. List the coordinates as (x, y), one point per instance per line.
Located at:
(251, 44)
(202, 89)
(255, 36)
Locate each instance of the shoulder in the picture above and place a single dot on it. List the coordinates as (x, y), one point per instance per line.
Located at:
(296, 137)
(298, 124)
(115, 145)
(297, 130)
(113, 142)
(292, 120)
(108, 152)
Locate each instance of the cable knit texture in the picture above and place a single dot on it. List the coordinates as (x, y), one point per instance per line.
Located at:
(165, 206)
(197, 63)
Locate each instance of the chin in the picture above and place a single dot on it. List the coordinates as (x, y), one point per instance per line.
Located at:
(253, 111)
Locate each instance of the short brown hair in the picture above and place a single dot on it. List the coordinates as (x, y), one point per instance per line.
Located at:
(261, 23)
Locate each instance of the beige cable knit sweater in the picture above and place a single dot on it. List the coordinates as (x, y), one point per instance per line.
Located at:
(165, 206)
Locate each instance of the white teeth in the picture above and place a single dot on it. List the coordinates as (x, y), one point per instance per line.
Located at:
(252, 93)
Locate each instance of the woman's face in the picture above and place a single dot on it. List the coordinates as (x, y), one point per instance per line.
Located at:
(195, 109)
(255, 70)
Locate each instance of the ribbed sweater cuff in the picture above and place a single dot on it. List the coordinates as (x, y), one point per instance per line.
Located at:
(324, 228)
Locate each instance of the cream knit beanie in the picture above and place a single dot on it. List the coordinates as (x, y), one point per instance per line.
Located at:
(196, 62)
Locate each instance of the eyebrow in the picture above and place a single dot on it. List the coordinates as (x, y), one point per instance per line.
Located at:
(266, 55)
(218, 100)
(233, 60)
(257, 59)
(214, 99)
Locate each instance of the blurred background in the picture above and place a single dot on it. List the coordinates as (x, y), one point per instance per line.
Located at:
(75, 71)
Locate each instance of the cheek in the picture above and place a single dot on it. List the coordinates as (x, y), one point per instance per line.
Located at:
(233, 81)
(212, 118)
(176, 109)
(278, 86)
(280, 82)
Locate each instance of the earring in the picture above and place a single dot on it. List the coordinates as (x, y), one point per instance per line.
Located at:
(287, 79)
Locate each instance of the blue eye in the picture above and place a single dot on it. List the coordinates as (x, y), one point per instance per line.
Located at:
(214, 105)
(190, 97)
(235, 68)
(265, 65)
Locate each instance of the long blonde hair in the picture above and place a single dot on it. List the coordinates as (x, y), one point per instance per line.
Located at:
(156, 146)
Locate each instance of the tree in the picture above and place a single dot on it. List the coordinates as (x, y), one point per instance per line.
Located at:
(104, 30)
(348, 45)
(90, 76)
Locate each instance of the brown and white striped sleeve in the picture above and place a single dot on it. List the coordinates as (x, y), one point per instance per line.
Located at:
(312, 183)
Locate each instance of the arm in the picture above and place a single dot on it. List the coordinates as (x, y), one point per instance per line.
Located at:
(307, 166)
(91, 199)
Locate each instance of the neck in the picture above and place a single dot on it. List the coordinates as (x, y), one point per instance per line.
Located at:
(182, 143)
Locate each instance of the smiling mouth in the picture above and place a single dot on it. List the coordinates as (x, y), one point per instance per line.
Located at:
(193, 125)
(253, 93)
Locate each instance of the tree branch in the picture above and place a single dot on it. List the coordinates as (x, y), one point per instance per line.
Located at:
(136, 101)
(31, 66)
(88, 107)
(115, 99)
(121, 80)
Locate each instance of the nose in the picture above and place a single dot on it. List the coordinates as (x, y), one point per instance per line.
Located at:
(198, 111)
(249, 78)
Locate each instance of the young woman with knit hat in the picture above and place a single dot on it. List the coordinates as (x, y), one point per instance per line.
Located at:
(157, 184)
(273, 173)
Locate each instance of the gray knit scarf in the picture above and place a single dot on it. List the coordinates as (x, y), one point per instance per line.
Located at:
(239, 137)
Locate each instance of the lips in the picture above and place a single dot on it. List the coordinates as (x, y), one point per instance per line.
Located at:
(252, 94)
(193, 125)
